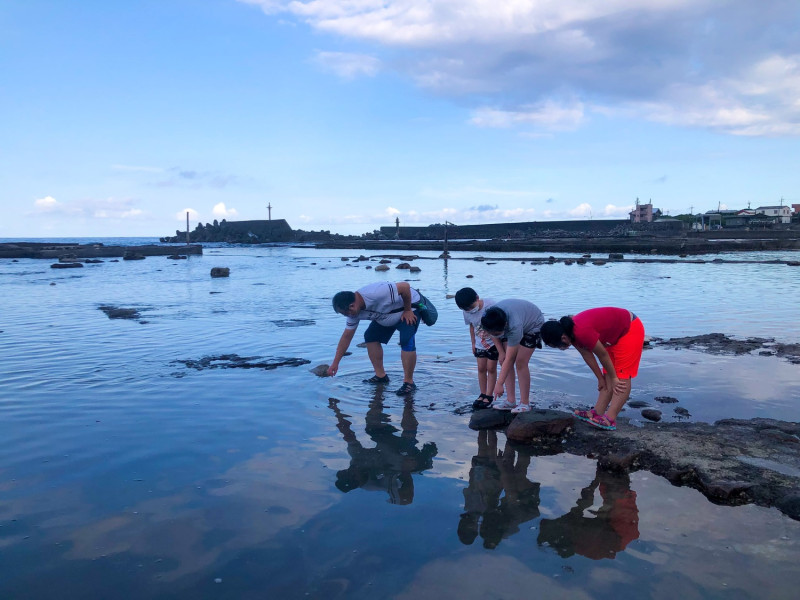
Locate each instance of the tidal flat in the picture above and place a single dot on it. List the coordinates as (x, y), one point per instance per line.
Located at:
(188, 451)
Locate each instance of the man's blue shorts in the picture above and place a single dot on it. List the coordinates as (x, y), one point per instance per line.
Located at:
(380, 333)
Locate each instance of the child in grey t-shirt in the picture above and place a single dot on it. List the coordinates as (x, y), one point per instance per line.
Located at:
(483, 347)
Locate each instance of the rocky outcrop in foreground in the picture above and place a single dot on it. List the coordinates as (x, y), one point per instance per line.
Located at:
(730, 462)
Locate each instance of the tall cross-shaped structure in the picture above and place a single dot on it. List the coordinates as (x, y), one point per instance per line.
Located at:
(269, 208)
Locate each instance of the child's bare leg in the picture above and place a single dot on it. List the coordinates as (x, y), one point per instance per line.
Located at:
(511, 393)
(524, 373)
(482, 383)
(604, 397)
(618, 400)
(491, 376)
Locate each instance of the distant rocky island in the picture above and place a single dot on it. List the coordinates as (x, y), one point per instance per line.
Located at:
(251, 232)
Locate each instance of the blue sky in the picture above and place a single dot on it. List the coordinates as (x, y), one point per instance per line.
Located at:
(118, 117)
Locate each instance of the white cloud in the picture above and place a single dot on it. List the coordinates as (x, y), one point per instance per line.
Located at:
(348, 65)
(46, 204)
(732, 67)
(220, 210)
(91, 208)
(548, 115)
(193, 214)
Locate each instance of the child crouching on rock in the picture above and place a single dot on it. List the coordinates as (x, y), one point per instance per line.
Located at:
(614, 337)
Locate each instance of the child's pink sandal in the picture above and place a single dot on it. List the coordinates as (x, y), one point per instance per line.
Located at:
(603, 422)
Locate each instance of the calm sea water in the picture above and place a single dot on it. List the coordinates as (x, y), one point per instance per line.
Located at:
(125, 473)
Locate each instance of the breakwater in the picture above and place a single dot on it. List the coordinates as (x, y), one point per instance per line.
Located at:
(78, 251)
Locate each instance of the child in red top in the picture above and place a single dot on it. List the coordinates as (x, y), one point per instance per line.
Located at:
(610, 341)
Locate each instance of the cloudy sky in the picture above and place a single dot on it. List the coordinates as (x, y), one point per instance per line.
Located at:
(118, 117)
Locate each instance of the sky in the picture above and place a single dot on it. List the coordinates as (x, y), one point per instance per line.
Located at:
(118, 118)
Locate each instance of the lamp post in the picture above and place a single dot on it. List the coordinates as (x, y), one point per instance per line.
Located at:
(446, 254)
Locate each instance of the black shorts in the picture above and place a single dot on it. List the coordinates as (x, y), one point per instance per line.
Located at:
(531, 340)
(490, 353)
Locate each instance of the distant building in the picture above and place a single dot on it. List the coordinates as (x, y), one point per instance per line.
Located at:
(644, 213)
(778, 214)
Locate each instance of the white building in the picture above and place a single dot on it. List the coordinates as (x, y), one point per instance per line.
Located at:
(781, 214)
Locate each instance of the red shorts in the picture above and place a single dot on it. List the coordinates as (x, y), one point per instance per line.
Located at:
(627, 352)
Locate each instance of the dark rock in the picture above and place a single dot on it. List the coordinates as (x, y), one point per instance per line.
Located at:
(369, 266)
(679, 410)
(616, 256)
(538, 423)
(732, 492)
(793, 263)
(71, 265)
(651, 414)
(294, 322)
(717, 260)
(414, 269)
(344, 258)
(403, 265)
(470, 276)
(587, 256)
(321, 370)
(638, 404)
(790, 505)
(234, 361)
(489, 418)
(581, 261)
(382, 268)
(177, 257)
(569, 262)
(666, 399)
(114, 312)
(619, 461)
(384, 261)
(131, 255)
(780, 436)
(599, 263)
(92, 261)
(220, 272)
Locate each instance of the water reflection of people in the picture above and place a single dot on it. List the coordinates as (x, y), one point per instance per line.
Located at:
(389, 465)
(607, 531)
(485, 511)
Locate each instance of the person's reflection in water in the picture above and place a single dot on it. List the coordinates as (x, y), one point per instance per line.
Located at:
(605, 531)
(389, 465)
(493, 472)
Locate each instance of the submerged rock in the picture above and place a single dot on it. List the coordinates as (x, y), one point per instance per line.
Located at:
(321, 370)
(115, 312)
(234, 361)
(220, 272)
(66, 265)
(382, 268)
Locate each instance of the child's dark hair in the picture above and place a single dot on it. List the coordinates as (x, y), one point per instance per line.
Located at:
(552, 331)
(342, 301)
(494, 319)
(465, 297)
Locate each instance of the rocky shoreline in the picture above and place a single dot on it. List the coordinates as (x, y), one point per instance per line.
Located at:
(83, 251)
(731, 462)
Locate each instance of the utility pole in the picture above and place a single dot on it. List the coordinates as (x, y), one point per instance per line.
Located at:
(187, 227)
(269, 208)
